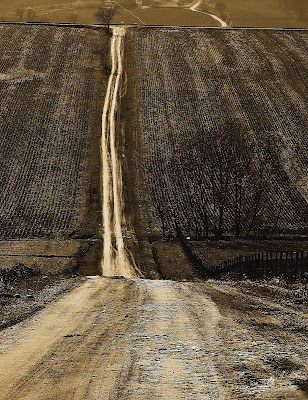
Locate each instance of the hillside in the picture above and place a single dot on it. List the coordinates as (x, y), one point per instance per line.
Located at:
(52, 82)
(262, 13)
(52, 86)
(223, 131)
(200, 125)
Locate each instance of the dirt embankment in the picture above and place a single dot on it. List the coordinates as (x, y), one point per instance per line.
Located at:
(20, 298)
(131, 338)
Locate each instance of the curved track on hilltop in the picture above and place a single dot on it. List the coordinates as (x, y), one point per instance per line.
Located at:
(194, 8)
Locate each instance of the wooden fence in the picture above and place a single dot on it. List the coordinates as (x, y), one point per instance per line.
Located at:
(290, 265)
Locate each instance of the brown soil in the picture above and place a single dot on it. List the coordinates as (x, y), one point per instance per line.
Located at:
(172, 263)
(20, 299)
(132, 338)
(136, 206)
(213, 252)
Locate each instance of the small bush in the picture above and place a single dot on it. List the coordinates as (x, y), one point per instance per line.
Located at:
(16, 273)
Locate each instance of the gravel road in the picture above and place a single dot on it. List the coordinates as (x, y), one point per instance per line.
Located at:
(141, 339)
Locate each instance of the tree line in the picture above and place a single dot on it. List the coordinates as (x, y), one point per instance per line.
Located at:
(231, 183)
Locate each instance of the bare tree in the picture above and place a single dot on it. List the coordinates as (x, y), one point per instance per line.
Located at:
(20, 13)
(105, 15)
(257, 198)
(236, 182)
(221, 154)
(30, 14)
(242, 174)
(203, 207)
(75, 17)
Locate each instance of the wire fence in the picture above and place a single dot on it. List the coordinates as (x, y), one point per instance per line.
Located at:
(290, 265)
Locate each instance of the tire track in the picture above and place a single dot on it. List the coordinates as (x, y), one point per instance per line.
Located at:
(115, 261)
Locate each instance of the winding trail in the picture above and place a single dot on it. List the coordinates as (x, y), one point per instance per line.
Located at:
(130, 12)
(115, 261)
(196, 5)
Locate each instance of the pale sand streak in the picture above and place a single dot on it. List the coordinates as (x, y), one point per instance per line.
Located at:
(105, 177)
(114, 263)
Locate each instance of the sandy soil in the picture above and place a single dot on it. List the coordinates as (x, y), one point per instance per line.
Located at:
(115, 260)
(20, 299)
(132, 338)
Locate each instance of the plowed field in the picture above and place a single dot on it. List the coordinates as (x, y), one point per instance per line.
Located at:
(223, 130)
(52, 88)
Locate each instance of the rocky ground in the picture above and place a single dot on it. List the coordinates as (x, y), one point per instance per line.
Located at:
(139, 338)
(20, 298)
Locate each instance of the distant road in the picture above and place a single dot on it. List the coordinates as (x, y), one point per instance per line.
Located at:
(196, 5)
(140, 339)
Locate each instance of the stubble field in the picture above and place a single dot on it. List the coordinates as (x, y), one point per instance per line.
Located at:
(52, 87)
(52, 82)
(223, 130)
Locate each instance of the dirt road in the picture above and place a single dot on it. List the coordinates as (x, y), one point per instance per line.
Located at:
(115, 261)
(195, 9)
(142, 339)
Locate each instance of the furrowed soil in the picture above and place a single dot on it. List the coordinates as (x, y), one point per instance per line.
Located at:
(132, 338)
(207, 98)
(139, 338)
(52, 83)
(185, 89)
(52, 88)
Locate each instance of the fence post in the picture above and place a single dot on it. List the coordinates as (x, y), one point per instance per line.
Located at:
(285, 272)
(302, 267)
(296, 267)
(291, 272)
(244, 263)
(240, 265)
(266, 265)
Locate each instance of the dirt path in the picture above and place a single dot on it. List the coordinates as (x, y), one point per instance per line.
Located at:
(115, 261)
(131, 338)
(195, 6)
